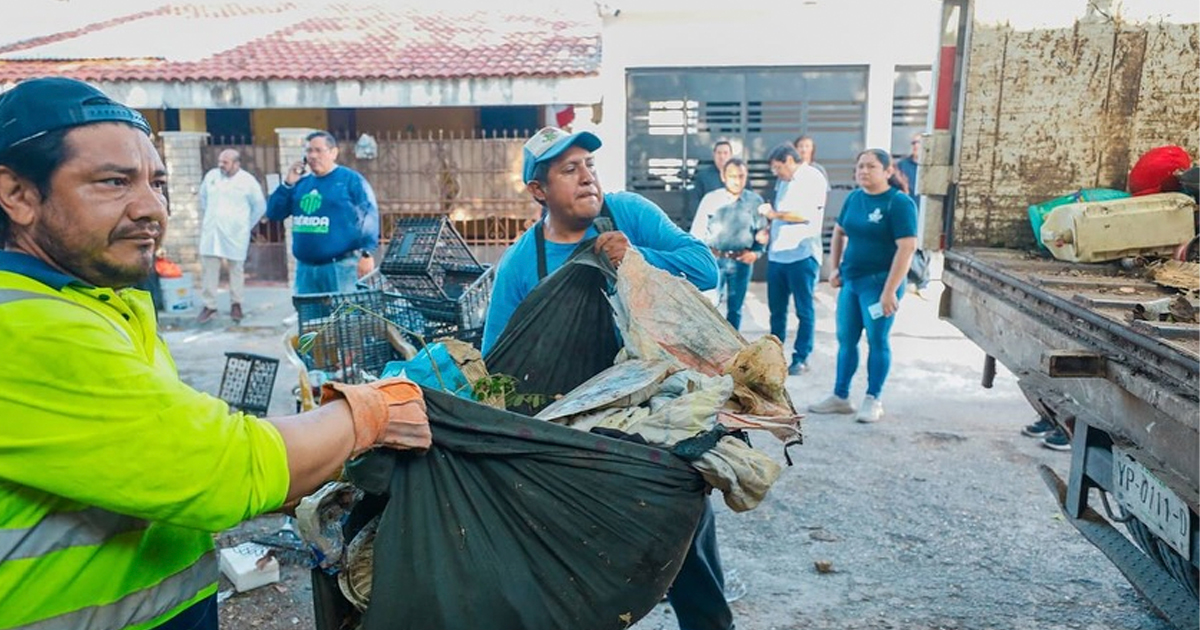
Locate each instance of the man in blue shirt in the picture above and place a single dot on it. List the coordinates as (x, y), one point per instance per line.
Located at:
(729, 223)
(335, 220)
(908, 168)
(560, 174)
(794, 255)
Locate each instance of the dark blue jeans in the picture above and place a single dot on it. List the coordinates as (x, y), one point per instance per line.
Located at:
(335, 277)
(735, 276)
(796, 280)
(199, 616)
(853, 318)
(698, 593)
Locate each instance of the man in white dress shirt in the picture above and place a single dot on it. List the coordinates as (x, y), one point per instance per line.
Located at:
(232, 203)
(797, 215)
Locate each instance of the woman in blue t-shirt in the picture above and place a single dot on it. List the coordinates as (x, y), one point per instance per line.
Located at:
(871, 250)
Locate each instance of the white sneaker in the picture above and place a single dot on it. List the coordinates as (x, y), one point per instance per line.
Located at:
(871, 411)
(833, 404)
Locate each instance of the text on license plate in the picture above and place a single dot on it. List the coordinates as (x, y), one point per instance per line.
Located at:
(1156, 506)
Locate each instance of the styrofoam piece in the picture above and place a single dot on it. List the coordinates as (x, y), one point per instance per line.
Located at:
(241, 564)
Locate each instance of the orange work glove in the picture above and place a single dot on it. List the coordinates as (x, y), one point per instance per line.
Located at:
(388, 412)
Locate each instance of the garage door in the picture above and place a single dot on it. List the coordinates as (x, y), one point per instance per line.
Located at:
(674, 117)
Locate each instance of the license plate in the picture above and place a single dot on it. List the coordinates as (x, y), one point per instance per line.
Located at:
(1147, 498)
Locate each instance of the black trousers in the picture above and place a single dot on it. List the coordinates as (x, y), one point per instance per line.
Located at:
(698, 593)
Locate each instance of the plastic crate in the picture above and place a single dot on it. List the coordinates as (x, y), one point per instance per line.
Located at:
(434, 318)
(351, 345)
(248, 381)
(465, 307)
(427, 257)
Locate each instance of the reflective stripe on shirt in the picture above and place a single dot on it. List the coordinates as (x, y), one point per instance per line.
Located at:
(139, 606)
(85, 528)
(96, 528)
(13, 295)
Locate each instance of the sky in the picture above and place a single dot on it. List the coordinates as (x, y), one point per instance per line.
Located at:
(24, 19)
(28, 18)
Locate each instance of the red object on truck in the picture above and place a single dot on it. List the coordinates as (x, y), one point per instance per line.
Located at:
(1157, 170)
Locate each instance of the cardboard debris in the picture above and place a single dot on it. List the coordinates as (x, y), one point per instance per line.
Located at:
(1177, 275)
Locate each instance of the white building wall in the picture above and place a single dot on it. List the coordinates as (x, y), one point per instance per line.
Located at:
(706, 33)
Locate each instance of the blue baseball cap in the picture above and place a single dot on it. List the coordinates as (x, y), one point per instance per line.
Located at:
(36, 107)
(550, 142)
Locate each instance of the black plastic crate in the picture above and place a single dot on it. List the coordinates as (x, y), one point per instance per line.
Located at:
(427, 257)
(465, 308)
(351, 345)
(247, 382)
(406, 313)
(434, 318)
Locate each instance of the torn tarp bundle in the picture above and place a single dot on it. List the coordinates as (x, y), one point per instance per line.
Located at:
(514, 523)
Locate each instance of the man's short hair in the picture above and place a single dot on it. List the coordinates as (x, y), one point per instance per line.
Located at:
(330, 141)
(782, 152)
(722, 142)
(36, 161)
(738, 162)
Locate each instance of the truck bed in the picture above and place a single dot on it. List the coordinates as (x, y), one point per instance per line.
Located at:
(1105, 290)
(1065, 331)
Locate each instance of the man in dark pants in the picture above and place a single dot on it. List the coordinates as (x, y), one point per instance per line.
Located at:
(559, 173)
(794, 254)
(698, 593)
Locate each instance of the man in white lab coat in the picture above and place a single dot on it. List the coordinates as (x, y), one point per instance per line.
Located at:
(232, 203)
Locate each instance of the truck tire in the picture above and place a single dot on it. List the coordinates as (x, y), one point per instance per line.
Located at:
(1165, 556)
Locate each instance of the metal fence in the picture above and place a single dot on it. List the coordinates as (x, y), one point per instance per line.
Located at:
(474, 179)
(266, 260)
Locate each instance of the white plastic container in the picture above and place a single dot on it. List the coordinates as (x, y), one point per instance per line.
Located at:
(1098, 231)
(176, 293)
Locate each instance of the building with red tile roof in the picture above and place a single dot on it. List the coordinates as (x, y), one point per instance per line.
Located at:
(300, 41)
(302, 55)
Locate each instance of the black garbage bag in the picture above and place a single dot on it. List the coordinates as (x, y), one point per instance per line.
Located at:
(510, 523)
(562, 333)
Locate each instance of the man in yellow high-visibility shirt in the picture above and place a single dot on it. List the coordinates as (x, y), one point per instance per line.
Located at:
(112, 470)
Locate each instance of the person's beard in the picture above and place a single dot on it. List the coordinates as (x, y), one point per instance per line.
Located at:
(92, 266)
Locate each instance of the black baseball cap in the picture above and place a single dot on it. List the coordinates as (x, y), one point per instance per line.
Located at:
(38, 106)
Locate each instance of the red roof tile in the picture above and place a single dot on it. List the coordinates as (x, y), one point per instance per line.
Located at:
(297, 41)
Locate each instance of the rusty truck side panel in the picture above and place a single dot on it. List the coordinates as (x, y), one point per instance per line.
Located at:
(1050, 111)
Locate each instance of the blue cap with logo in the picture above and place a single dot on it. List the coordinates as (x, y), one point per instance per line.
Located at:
(550, 142)
(36, 107)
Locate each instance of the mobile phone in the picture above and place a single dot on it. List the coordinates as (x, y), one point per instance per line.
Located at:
(875, 310)
(304, 164)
